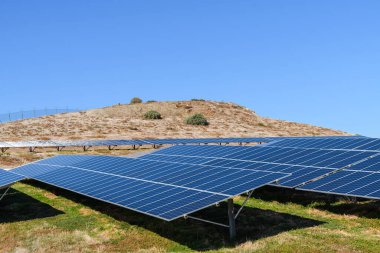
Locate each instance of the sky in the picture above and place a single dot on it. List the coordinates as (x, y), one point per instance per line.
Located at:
(315, 62)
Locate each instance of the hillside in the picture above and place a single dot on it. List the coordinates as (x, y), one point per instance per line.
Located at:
(126, 122)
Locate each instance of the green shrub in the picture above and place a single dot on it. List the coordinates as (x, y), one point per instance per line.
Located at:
(151, 101)
(197, 99)
(136, 100)
(152, 115)
(197, 119)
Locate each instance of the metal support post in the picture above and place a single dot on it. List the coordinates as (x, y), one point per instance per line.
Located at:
(243, 205)
(3, 195)
(86, 148)
(111, 147)
(231, 219)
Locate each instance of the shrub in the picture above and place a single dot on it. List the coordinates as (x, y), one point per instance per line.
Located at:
(197, 119)
(136, 100)
(151, 101)
(152, 115)
(197, 99)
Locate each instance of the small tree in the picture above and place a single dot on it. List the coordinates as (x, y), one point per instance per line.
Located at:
(136, 100)
(152, 115)
(197, 119)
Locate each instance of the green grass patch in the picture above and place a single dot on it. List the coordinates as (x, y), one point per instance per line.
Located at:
(39, 218)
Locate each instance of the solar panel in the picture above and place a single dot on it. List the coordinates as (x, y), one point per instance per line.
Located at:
(361, 179)
(348, 182)
(304, 164)
(364, 143)
(8, 178)
(164, 190)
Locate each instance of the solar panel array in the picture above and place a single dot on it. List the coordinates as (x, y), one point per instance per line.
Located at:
(360, 180)
(372, 144)
(78, 143)
(303, 164)
(7, 178)
(163, 190)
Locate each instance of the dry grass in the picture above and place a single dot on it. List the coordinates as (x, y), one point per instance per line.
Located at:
(126, 121)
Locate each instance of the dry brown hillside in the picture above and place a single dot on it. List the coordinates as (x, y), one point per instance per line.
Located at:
(126, 122)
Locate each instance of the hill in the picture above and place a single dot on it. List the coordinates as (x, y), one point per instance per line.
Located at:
(125, 121)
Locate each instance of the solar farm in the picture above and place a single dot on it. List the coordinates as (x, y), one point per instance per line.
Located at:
(210, 182)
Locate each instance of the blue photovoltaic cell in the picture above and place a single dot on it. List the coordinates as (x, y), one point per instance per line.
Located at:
(299, 174)
(372, 164)
(8, 178)
(304, 164)
(370, 144)
(361, 180)
(161, 189)
(347, 182)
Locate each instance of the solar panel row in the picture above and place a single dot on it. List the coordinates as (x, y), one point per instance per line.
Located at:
(305, 165)
(372, 144)
(164, 190)
(64, 143)
(299, 174)
(7, 178)
(333, 159)
(350, 183)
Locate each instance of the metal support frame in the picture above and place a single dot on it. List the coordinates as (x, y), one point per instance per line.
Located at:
(207, 221)
(32, 149)
(60, 148)
(4, 149)
(134, 146)
(231, 217)
(5, 193)
(86, 148)
(111, 147)
(156, 146)
(243, 205)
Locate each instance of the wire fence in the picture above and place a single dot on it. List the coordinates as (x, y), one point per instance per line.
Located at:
(8, 117)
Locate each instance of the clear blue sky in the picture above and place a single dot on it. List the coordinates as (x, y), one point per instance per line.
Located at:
(316, 62)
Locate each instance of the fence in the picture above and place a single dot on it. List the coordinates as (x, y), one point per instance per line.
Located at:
(7, 117)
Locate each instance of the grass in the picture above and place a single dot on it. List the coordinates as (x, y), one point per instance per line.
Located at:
(39, 218)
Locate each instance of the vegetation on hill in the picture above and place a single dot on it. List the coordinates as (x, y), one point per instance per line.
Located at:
(152, 115)
(197, 119)
(136, 100)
